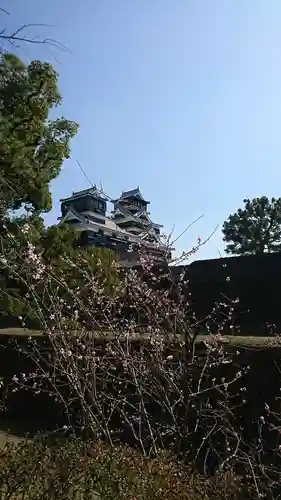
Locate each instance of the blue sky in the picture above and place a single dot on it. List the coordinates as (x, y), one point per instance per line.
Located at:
(180, 97)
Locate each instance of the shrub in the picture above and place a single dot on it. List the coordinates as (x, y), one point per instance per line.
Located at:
(121, 360)
(79, 470)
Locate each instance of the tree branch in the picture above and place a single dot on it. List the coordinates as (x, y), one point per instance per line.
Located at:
(18, 36)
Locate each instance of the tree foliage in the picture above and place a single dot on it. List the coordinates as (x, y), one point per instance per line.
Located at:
(32, 150)
(32, 147)
(58, 249)
(256, 229)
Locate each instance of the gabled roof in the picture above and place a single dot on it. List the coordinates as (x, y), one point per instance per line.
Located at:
(148, 233)
(71, 214)
(112, 226)
(121, 210)
(109, 224)
(93, 191)
(132, 193)
(135, 217)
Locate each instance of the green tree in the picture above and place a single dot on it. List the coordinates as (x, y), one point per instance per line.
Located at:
(67, 266)
(32, 147)
(256, 229)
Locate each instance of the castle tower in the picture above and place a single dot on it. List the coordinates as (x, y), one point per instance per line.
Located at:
(128, 228)
(131, 214)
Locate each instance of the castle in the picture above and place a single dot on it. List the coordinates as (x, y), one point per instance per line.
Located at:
(127, 229)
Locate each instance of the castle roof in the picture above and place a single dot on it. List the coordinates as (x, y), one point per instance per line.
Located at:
(92, 191)
(108, 224)
(132, 193)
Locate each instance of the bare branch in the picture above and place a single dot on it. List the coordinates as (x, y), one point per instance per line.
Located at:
(5, 11)
(18, 36)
